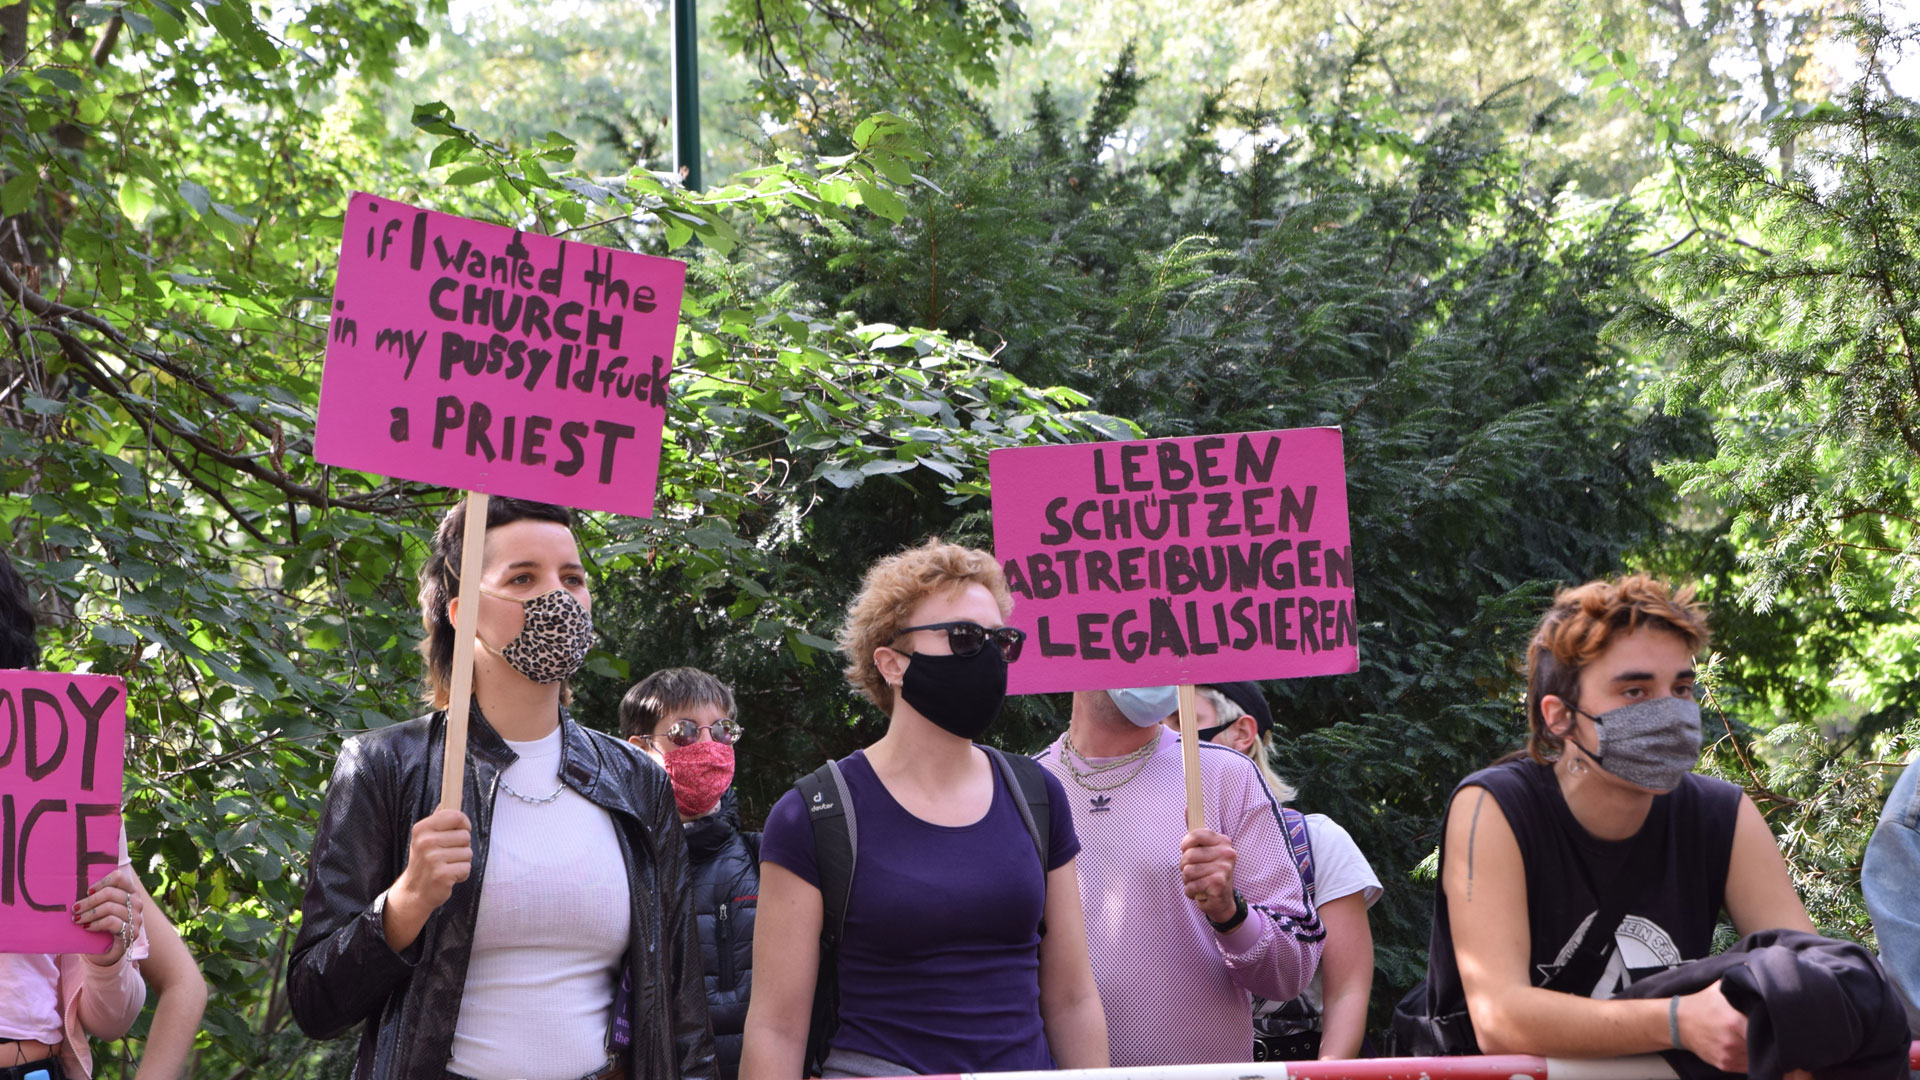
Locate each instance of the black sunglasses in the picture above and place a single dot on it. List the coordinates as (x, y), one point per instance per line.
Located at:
(966, 638)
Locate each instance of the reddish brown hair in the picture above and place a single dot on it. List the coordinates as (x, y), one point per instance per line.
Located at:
(1582, 624)
(894, 586)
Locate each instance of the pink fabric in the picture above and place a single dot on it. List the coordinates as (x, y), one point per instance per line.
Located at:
(29, 997)
(114, 996)
(1175, 991)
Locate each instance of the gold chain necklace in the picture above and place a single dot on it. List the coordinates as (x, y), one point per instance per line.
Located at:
(1094, 772)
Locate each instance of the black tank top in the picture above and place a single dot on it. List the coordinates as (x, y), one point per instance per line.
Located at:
(1670, 921)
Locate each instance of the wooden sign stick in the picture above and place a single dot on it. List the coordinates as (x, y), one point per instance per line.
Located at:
(473, 553)
(1190, 755)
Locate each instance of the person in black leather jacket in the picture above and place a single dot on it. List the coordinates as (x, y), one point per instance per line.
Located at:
(549, 935)
(684, 719)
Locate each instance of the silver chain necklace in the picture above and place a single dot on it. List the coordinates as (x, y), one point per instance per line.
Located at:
(529, 799)
(1095, 772)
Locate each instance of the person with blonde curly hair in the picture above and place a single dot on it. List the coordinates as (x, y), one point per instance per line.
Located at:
(961, 951)
(1600, 818)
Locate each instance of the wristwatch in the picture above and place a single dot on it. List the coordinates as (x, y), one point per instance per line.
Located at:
(1239, 916)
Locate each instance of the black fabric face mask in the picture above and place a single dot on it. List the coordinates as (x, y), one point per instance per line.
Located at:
(961, 694)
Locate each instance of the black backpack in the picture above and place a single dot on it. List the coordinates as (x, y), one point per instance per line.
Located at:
(836, 844)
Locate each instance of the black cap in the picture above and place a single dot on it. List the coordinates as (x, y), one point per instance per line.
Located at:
(1251, 700)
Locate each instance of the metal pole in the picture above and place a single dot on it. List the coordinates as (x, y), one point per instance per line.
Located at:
(686, 93)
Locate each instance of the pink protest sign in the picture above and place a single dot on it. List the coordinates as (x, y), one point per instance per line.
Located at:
(486, 358)
(63, 747)
(1183, 561)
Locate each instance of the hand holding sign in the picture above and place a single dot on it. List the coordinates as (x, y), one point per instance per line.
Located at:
(439, 856)
(112, 906)
(1206, 871)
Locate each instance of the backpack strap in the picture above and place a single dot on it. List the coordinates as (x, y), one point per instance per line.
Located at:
(836, 842)
(1024, 776)
(1301, 844)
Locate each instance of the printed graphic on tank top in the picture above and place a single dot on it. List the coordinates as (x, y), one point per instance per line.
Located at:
(1642, 947)
(1673, 918)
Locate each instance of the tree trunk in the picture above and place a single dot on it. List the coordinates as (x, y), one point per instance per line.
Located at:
(13, 35)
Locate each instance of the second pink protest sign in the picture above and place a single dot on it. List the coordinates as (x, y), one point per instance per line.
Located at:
(1177, 561)
(486, 358)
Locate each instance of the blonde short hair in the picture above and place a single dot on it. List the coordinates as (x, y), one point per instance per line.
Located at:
(1226, 711)
(893, 587)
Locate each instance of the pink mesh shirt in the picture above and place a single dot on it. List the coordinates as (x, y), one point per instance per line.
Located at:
(1175, 991)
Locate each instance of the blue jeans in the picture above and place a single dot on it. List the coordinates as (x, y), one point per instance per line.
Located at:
(1890, 879)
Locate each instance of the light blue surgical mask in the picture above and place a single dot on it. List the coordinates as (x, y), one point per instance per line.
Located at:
(1146, 706)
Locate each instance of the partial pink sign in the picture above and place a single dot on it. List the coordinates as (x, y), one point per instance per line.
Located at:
(63, 752)
(1177, 561)
(480, 357)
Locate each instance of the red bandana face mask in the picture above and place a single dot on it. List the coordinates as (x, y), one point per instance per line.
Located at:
(700, 775)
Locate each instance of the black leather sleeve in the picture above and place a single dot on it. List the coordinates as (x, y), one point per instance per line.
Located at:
(342, 969)
(692, 1034)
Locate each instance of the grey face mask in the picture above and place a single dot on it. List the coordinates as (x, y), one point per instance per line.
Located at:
(1650, 743)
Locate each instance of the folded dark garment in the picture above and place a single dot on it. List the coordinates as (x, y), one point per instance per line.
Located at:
(1811, 1003)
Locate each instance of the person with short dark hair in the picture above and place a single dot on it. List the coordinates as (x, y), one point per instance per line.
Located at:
(1603, 799)
(541, 931)
(685, 720)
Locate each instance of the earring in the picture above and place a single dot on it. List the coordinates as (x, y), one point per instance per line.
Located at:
(1577, 766)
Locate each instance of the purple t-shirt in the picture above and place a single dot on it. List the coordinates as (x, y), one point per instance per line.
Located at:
(940, 965)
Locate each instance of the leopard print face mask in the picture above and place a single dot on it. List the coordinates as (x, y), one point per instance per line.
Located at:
(553, 642)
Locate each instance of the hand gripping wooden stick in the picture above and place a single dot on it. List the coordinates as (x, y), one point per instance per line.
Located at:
(473, 553)
(1190, 756)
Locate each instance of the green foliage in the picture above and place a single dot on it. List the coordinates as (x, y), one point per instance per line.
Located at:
(1732, 65)
(601, 74)
(1805, 342)
(823, 64)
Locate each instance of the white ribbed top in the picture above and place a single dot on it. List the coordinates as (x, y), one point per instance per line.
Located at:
(551, 933)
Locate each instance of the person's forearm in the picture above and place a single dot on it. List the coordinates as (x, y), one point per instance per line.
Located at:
(1273, 958)
(110, 998)
(1077, 1033)
(1343, 1026)
(402, 917)
(1531, 1020)
(176, 1020)
(767, 1054)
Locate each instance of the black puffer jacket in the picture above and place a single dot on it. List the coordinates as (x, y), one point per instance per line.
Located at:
(343, 973)
(725, 866)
